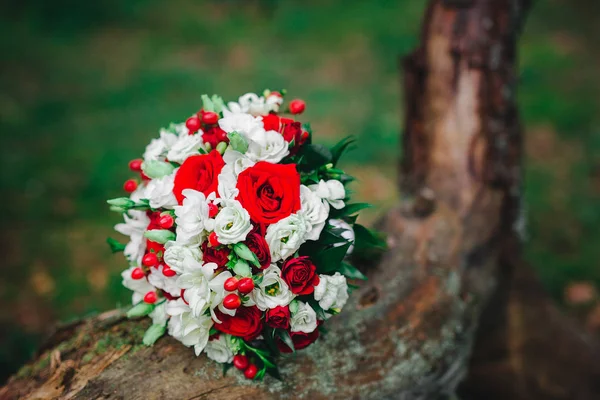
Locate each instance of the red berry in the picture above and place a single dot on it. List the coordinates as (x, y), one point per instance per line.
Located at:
(144, 176)
(130, 185)
(166, 221)
(231, 284)
(251, 371)
(210, 118)
(150, 260)
(213, 239)
(137, 273)
(136, 165)
(232, 301)
(246, 285)
(240, 362)
(222, 136)
(297, 106)
(150, 297)
(193, 124)
(213, 210)
(168, 272)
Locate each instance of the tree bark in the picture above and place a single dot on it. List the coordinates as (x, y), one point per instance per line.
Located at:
(408, 332)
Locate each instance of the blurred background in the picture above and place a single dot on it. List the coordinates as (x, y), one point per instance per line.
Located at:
(85, 85)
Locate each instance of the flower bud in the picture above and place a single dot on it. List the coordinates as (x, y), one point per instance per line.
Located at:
(238, 142)
(221, 147)
(161, 236)
(121, 202)
(156, 169)
(140, 310)
(242, 268)
(245, 253)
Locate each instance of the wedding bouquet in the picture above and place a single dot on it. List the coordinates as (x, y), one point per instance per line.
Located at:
(239, 230)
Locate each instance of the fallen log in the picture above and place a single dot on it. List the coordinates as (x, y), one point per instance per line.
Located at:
(409, 331)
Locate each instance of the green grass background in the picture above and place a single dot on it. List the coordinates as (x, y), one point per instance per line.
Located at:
(85, 85)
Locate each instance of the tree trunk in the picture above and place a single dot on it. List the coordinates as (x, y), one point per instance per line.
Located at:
(408, 332)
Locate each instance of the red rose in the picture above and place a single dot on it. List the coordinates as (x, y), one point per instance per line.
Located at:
(292, 131)
(215, 255)
(269, 192)
(200, 173)
(245, 323)
(278, 317)
(271, 122)
(258, 245)
(301, 340)
(301, 275)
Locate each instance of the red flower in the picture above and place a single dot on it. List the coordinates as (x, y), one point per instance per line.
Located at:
(258, 245)
(278, 317)
(215, 255)
(271, 122)
(246, 323)
(269, 192)
(292, 131)
(301, 340)
(301, 275)
(200, 173)
(214, 136)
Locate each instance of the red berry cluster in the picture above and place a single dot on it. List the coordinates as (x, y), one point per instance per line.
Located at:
(243, 286)
(242, 363)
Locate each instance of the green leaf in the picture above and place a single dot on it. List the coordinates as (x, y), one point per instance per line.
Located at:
(274, 372)
(218, 104)
(226, 368)
(207, 103)
(115, 245)
(350, 271)
(318, 309)
(242, 268)
(314, 156)
(353, 208)
(329, 260)
(141, 309)
(342, 146)
(366, 238)
(245, 253)
(161, 236)
(286, 338)
(154, 333)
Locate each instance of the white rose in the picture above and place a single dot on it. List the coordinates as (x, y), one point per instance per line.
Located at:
(185, 146)
(189, 330)
(304, 319)
(139, 286)
(197, 290)
(219, 349)
(332, 291)
(159, 315)
(314, 210)
(192, 218)
(232, 223)
(272, 291)
(347, 234)
(160, 192)
(158, 148)
(227, 183)
(246, 125)
(254, 104)
(236, 161)
(181, 258)
(333, 191)
(286, 236)
(270, 146)
(166, 283)
(134, 226)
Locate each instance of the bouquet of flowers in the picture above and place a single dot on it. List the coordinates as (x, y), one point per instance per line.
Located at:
(239, 229)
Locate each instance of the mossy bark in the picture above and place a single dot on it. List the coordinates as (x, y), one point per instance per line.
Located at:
(408, 332)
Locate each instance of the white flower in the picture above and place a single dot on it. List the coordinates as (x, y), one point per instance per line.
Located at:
(314, 210)
(246, 125)
(185, 146)
(332, 291)
(158, 148)
(189, 330)
(192, 218)
(237, 161)
(160, 192)
(333, 191)
(159, 315)
(197, 291)
(304, 319)
(232, 223)
(256, 105)
(270, 146)
(139, 286)
(219, 349)
(348, 233)
(134, 226)
(227, 183)
(166, 283)
(181, 258)
(272, 291)
(286, 236)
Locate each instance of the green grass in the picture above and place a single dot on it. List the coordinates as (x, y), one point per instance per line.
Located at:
(84, 86)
